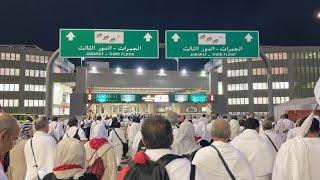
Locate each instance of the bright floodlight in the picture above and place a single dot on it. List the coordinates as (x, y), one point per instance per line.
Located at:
(184, 72)
(162, 73)
(139, 70)
(118, 70)
(318, 15)
(94, 68)
(82, 58)
(203, 73)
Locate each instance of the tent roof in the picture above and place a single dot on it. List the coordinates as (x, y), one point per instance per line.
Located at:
(303, 101)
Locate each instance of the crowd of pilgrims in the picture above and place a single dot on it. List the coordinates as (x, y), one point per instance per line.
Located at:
(161, 147)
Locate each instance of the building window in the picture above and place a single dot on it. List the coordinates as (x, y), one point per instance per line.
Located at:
(238, 87)
(260, 86)
(9, 102)
(220, 88)
(280, 85)
(237, 73)
(238, 101)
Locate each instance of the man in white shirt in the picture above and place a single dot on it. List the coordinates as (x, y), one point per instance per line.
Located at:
(75, 132)
(9, 131)
(39, 151)
(271, 137)
(209, 163)
(258, 152)
(158, 137)
(299, 158)
(56, 129)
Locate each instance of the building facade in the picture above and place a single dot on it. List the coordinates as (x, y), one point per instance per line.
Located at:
(295, 71)
(22, 77)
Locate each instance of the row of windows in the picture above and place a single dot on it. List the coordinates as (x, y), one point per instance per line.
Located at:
(236, 60)
(260, 86)
(37, 59)
(277, 56)
(9, 87)
(276, 100)
(10, 56)
(237, 113)
(34, 103)
(236, 73)
(280, 85)
(275, 70)
(238, 87)
(238, 101)
(35, 73)
(9, 102)
(275, 85)
(306, 55)
(307, 85)
(34, 87)
(9, 72)
(308, 70)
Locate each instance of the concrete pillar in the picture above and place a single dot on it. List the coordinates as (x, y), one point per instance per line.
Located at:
(213, 88)
(151, 108)
(78, 106)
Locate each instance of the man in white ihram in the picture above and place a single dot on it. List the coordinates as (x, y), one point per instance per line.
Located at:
(258, 152)
(271, 137)
(299, 157)
(39, 151)
(56, 129)
(211, 165)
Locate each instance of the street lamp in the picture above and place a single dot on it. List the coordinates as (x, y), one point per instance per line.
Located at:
(184, 72)
(139, 70)
(318, 16)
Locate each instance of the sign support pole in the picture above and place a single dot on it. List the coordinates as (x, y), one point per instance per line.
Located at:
(269, 79)
(49, 84)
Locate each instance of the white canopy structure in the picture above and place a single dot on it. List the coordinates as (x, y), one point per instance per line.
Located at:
(294, 104)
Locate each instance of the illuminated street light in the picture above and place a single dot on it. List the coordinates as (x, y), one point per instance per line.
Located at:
(139, 70)
(118, 70)
(203, 73)
(184, 72)
(162, 73)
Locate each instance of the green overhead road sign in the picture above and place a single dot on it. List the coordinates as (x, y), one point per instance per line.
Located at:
(109, 43)
(211, 44)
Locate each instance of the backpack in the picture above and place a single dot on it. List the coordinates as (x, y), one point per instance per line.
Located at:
(97, 168)
(153, 170)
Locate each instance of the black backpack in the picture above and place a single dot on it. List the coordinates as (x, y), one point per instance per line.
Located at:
(154, 170)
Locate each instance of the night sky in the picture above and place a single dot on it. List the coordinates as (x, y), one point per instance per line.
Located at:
(280, 22)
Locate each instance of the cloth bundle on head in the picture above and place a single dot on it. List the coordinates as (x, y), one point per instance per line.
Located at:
(99, 131)
(70, 159)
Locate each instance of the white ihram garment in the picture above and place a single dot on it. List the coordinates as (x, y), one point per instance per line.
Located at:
(299, 157)
(43, 148)
(258, 152)
(185, 142)
(211, 166)
(116, 143)
(275, 138)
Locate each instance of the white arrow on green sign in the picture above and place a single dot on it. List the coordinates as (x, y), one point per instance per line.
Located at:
(211, 44)
(109, 43)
